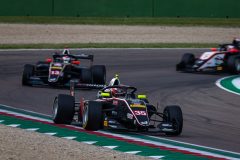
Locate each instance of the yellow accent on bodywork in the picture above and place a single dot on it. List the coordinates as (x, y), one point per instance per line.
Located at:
(219, 68)
(105, 123)
(142, 96)
(56, 67)
(137, 105)
(105, 94)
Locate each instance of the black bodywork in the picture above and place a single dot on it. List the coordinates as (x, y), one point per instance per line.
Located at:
(125, 111)
(58, 73)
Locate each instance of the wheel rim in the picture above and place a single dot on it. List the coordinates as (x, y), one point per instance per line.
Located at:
(55, 108)
(85, 115)
(174, 122)
(176, 125)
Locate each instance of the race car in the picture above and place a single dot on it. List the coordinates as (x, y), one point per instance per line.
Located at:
(61, 68)
(117, 108)
(225, 58)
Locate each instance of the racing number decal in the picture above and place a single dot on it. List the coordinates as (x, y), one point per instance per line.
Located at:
(56, 72)
(140, 113)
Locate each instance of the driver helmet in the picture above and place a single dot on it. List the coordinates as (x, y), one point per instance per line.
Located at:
(117, 92)
(115, 81)
(229, 47)
(66, 52)
(236, 42)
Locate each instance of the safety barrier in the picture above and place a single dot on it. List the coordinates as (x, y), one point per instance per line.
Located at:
(122, 8)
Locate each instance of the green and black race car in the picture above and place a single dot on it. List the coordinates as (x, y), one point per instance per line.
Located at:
(117, 107)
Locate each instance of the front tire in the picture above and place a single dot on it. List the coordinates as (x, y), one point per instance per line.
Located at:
(63, 109)
(233, 64)
(99, 74)
(28, 71)
(173, 114)
(86, 75)
(92, 115)
(188, 59)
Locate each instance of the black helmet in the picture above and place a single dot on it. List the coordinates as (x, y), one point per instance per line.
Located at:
(66, 52)
(236, 41)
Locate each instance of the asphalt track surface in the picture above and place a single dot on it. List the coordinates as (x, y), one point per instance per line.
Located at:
(211, 115)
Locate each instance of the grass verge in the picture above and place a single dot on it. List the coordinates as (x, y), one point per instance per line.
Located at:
(107, 45)
(216, 22)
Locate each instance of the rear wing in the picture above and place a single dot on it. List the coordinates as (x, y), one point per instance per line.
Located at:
(74, 84)
(76, 57)
(83, 56)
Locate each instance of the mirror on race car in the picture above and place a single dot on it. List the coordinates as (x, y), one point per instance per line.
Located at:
(214, 49)
(49, 60)
(75, 62)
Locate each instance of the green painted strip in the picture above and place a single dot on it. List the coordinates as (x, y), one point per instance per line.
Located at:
(105, 142)
(101, 141)
(227, 83)
(174, 143)
(25, 112)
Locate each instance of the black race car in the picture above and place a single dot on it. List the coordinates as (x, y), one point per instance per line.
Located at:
(117, 107)
(225, 58)
(61, 68)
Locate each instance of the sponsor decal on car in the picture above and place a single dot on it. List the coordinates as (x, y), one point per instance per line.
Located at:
(129, 116)
(219, 68)
(55, 72)
(89, 85)
(140, 113)
(105, 123)
(57, 64)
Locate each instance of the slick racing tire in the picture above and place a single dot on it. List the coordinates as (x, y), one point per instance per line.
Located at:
(86, 75)
(63, 109)
(188, 59)
(233, 64)
(99, 74)
(173, 114)
(92, 116)
(28, 71)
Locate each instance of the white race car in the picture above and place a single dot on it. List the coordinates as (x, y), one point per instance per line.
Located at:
(225, 58)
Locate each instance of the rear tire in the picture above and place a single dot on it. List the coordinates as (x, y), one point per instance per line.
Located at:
(63, 109)
(28, 71)
(233, 64)
(86, 75)
(92, 116)
(99, 74)
(173, 114)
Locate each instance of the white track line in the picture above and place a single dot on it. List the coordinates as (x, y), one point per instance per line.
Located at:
(218, 83)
